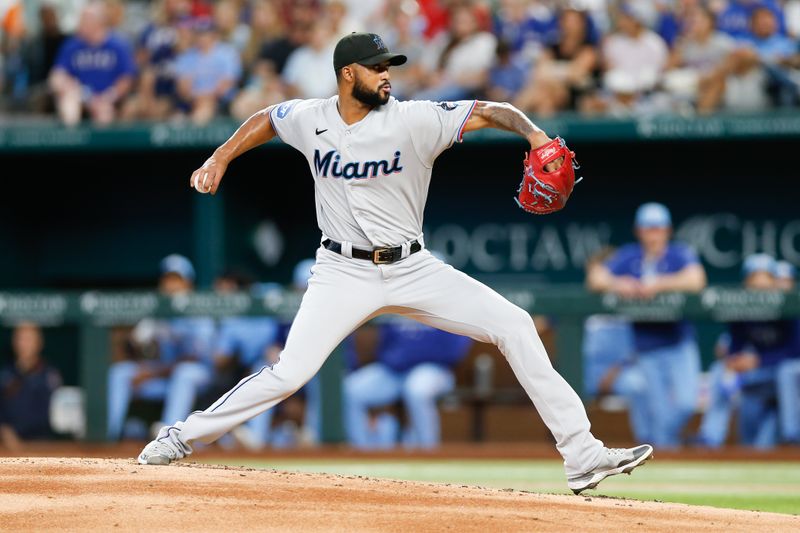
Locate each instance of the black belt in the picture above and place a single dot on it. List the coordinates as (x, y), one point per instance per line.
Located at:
(379, 256)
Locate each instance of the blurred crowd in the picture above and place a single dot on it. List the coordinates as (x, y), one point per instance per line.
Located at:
(115, 60)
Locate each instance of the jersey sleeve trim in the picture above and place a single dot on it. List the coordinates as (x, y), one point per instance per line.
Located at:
(272, 123)
(464, 122)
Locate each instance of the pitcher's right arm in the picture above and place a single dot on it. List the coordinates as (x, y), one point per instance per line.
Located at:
(255, 131)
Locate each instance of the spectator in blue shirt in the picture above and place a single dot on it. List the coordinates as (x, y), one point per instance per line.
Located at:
(671, 23)
(414, 364)
(207, 73)
(172, 359)
(94, 70)
(507, 76)
(758, 372)
(25, 390)
(775, 53)
(156, 49)
(667, 351)
(771, 45)
(526, 28)
(735, 19)
(754, 76)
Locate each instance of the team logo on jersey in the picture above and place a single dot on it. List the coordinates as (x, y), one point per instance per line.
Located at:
(448, 106)
(379, 42)
(331, 163)
(284, 108)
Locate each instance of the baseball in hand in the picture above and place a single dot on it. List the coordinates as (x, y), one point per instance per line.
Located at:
(202, 183)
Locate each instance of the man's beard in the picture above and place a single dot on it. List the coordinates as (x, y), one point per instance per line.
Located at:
(362, 93)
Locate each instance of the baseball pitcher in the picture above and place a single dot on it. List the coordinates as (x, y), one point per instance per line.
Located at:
(371, 158)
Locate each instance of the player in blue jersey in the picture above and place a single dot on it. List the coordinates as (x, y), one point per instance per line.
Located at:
(667, 352)
(414, 364)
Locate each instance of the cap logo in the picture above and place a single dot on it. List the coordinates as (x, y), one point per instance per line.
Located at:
(378, 42)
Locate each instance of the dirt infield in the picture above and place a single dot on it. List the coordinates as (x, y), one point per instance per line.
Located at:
(39, 493)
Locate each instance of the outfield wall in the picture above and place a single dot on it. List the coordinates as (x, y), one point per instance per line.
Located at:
(103, 212)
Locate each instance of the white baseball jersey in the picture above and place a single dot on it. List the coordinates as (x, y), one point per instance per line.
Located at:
(371, 178)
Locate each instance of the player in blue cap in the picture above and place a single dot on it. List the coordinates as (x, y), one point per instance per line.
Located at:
(667, 352)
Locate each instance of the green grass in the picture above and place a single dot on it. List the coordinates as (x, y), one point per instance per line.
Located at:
(755, 486)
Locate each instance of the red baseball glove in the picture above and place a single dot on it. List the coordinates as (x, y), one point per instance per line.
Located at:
(546, 185)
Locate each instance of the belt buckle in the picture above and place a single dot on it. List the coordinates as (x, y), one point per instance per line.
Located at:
(378, 260)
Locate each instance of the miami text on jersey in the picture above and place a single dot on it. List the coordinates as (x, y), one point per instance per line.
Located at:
(356, 169)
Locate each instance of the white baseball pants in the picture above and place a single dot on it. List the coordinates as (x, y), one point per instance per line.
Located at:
(343, 293)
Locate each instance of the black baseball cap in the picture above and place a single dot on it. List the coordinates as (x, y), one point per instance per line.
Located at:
(364, 49)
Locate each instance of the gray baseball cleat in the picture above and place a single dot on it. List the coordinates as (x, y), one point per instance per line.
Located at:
(616, 461)
(158, 453)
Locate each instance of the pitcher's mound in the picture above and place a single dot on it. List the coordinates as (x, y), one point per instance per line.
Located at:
(116, 494)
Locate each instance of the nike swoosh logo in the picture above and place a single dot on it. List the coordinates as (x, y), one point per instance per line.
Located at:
(318, 131)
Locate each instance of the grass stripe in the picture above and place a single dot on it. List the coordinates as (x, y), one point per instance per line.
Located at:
(752, 486)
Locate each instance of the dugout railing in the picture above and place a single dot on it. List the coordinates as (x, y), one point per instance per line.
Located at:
(94, 313)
